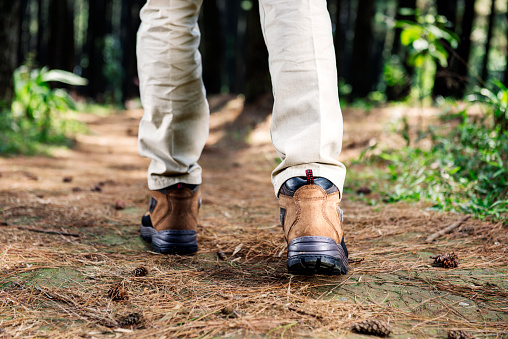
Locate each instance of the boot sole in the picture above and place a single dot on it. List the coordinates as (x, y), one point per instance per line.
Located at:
(170, 241)
(316, 255)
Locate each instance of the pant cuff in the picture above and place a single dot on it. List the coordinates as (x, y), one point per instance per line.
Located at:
(336, 174)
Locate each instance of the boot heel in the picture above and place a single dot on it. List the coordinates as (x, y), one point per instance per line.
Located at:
(171, 241)
(316, 255)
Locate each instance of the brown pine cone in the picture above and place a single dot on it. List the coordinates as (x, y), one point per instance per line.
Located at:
(117, 293)
(131, 320)
(140, 271)
(456, 334)
(447, 260)
(373, 327)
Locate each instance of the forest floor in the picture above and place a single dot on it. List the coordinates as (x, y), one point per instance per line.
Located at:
(69, 233)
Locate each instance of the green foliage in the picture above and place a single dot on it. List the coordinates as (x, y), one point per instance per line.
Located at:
(425, 42)
(464, 170)
(497, 103)
(37, 112)
(113, 70)
(425, 38)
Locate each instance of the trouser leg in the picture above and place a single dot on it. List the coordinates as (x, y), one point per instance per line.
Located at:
(174, 127)
(307, 122)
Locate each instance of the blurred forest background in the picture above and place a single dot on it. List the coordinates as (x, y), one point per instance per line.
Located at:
(449, 46)
(449, 54)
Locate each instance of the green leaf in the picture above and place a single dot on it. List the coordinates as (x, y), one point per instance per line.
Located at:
(410, 34)
(64, 77)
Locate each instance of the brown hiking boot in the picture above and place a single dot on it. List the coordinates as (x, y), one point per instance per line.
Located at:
(312, 221)
(171, 221)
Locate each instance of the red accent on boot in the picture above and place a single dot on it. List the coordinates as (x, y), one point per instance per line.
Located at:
(310, 177)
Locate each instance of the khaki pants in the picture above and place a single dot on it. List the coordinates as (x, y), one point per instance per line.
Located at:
(306, 124)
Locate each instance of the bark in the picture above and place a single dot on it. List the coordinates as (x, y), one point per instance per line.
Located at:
(211, 46)
(94, 48)
(130, 22)
(445, 83)
(23, 23)
(257, 73)
(61, 33)
(490, 31)
(399, 91)
(339, 38)
(361, 63)
(9, 35)
(464, 49)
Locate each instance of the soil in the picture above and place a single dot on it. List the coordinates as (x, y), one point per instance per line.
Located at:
(69, 236)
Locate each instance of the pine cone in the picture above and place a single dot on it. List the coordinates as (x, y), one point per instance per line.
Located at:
(131, 320)
(117, 293)
(373, 327)
(456, 334)
(447, 260)
(140, 271)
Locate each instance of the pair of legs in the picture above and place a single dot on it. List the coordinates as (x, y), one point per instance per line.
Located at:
(306, 124)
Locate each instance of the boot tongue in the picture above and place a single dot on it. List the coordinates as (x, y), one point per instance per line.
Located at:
(179, 186)
(292, 185)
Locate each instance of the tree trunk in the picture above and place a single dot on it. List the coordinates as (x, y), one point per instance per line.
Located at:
(94, 49)
(339, 38)
(61, 33)
(445, 83)
(361, 63)
(490, 31)
(464, 49)
(399, 91)
(211, 46)
(9, 26)
(130, 22)
(257, 73)
(23, 31)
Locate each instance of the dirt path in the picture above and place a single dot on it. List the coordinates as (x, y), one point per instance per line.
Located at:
(56, 284)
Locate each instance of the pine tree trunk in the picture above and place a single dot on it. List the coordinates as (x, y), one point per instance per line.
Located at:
(130, 22)
(257, 73)
(445, 83)
(61, 33)
(490, 31)
(400, 91)
(9, 26)
(94, 48)
(339, 38)
(464, 49)
(361, 63)
(211, 46)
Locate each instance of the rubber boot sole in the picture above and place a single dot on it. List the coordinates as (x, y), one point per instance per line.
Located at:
(317, 255)
(170, 241)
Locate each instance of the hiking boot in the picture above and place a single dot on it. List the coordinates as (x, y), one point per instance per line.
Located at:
(312, 221)
(171, 221)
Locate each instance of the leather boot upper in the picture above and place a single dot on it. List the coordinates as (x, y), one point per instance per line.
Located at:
(177, 209)
(311, 212)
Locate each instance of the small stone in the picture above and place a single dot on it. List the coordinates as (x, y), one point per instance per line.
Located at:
(229, 312)
(119, 205)
(363, 190)
(67, 179)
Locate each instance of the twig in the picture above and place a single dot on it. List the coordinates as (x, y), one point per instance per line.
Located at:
(448, 229)
(38, 230)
